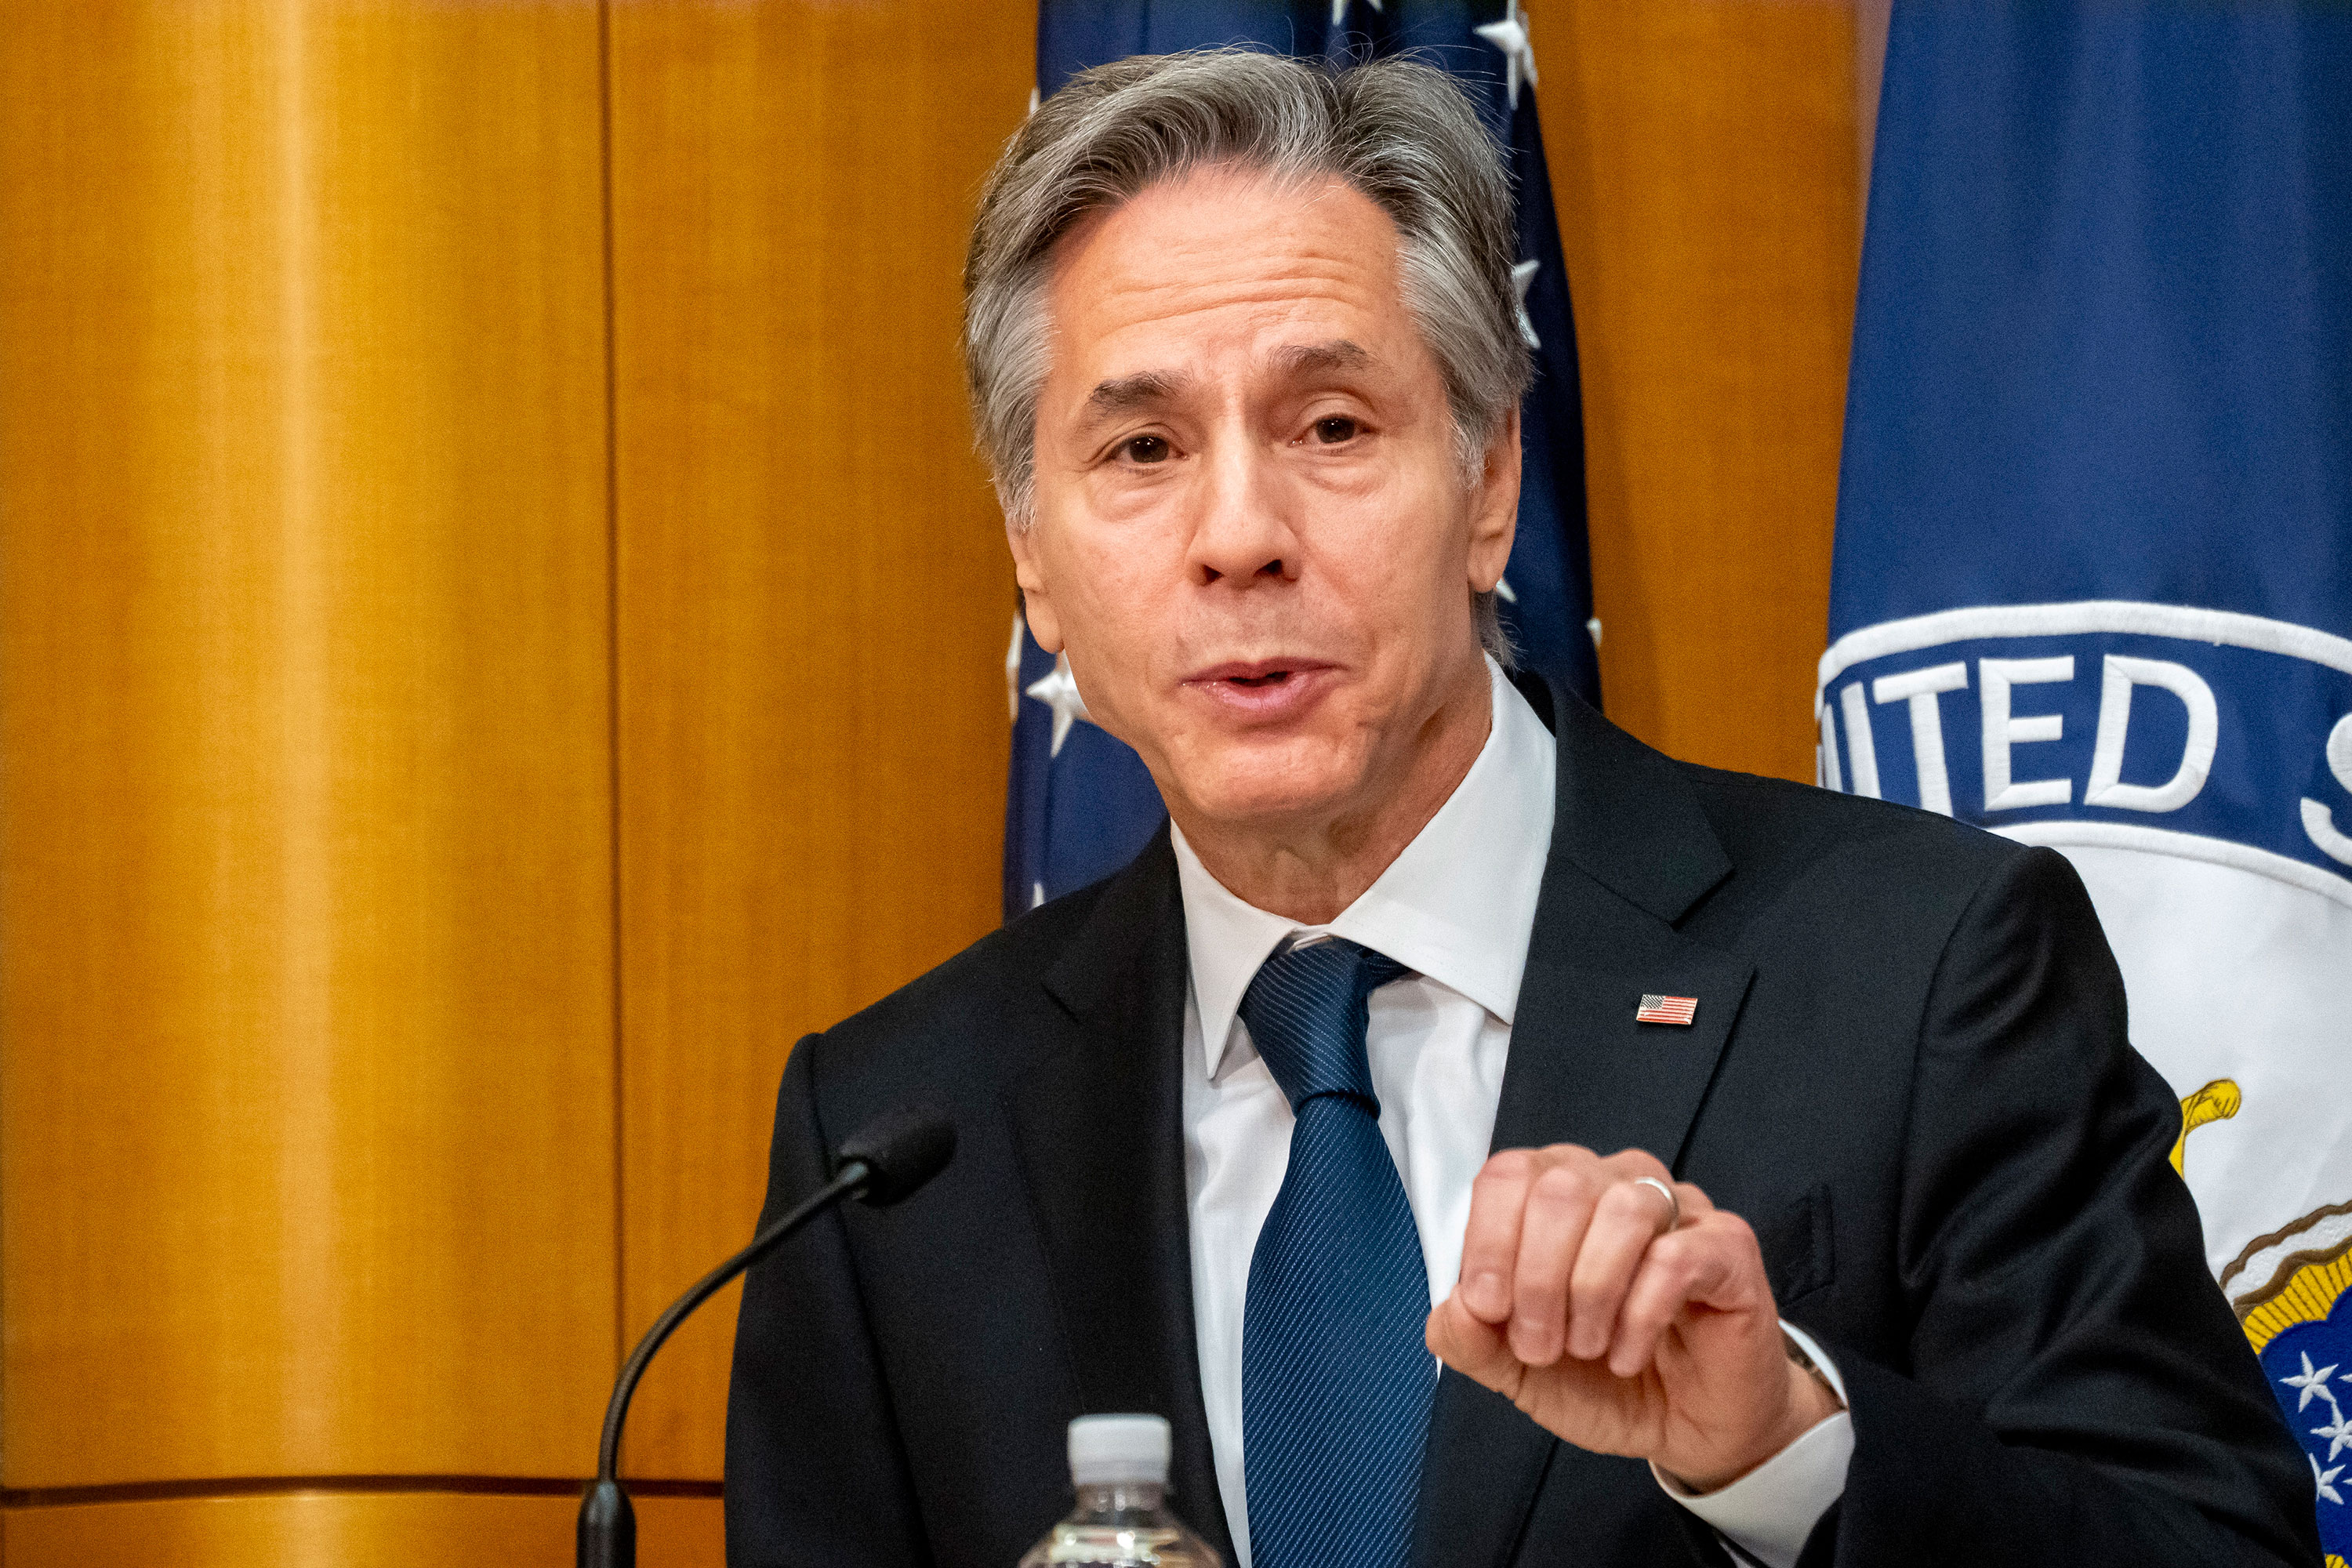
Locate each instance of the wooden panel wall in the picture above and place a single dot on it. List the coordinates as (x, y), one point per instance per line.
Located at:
(306, 1052)
(500, 631)
(303, 599)
(1703, 157)
(814, 587)
(347, 1529)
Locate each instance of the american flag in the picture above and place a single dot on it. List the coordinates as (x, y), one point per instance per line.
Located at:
(1666, 1010)
(1080, 804)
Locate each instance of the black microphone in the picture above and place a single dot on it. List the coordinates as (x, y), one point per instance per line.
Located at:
(881, 1162)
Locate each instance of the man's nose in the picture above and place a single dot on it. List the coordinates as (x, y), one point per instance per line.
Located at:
(1241, 535)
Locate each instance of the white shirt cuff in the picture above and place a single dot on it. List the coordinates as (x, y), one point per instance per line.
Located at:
(1770, 1512)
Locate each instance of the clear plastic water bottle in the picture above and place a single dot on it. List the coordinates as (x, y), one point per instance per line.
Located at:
(1119, 1466)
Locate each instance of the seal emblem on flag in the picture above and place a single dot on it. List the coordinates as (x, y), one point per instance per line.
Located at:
(2094, 571)
(2293, 1292)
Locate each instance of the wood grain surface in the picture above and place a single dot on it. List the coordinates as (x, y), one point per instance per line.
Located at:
(305, 1100)
(345, 1530)
(1705, 162)
(814, 594)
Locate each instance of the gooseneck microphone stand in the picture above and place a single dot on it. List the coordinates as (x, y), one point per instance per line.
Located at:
(882, 1163)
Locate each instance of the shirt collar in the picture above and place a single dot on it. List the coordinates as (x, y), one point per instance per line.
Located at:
(1458, 905)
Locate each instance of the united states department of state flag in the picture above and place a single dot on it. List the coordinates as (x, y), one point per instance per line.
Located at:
(2094, 564)
(1080, 804)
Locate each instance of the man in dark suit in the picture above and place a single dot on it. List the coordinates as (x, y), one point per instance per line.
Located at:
(1768, 1169)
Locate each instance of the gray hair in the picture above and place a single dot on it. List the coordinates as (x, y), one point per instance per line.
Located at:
(1400, 132)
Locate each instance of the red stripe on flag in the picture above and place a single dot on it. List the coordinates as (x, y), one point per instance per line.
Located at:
(1666, 1010)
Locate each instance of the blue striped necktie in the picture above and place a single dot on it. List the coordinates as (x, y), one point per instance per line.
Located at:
(1336, 1378)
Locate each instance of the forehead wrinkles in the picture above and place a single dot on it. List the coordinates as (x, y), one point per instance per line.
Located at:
(1146, 389)
(1216, 241)
(1219, 348)
(1146, 287)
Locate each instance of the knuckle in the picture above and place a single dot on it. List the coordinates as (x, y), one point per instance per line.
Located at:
(1730, 1231)
(1508, 1168)
(1646, 1314)
(1541, 1296)
(1633, 1163)
(1562, 1185)
(1592, 1298)
(1625, 1198)
(1484, 1257)
(1595, 1278)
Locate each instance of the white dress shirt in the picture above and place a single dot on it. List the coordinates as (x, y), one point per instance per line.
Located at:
(1457, 909)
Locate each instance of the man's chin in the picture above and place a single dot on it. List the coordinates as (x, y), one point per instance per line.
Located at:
(1256, 801)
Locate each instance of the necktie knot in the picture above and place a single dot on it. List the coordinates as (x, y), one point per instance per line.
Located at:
(1307, 1010)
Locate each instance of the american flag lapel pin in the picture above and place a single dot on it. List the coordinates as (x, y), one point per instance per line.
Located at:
(1675, 1010)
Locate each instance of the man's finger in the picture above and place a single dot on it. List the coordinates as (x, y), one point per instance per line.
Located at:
(1474, 1347)
(1626, 1219)
(1490, 1245)
(1711, 1263)
(1559, 1213)
(1672, 1272)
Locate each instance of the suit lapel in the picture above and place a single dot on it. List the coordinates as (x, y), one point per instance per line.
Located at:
(1099, 1130)
(1631, 855)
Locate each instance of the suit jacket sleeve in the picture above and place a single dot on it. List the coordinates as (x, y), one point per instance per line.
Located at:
(2078, 1392)
(815, 1472)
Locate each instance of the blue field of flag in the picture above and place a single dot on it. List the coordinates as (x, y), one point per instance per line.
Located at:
(2093, 567)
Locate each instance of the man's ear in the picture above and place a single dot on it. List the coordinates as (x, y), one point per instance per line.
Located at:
(1036, 602)
(1495, 508)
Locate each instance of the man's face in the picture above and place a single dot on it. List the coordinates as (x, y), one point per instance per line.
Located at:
(1252, 530)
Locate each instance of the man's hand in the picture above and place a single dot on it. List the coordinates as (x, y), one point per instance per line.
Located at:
(1614, 1333)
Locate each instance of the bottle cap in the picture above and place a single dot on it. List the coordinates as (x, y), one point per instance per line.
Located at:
(1106, 1450)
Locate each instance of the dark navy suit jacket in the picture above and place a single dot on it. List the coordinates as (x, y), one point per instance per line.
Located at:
(1909, 1072)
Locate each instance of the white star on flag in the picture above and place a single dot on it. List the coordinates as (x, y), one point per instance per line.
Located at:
(1059, 691)
(1523, 276)
(1339, 10)
(2324, 1481)
(2313, 1383)
(2337, 1432)
(1510, 35)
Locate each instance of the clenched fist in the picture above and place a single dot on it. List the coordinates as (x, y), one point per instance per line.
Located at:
(1615, 1332)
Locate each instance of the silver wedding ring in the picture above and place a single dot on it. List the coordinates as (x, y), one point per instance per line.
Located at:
(1674, 1203)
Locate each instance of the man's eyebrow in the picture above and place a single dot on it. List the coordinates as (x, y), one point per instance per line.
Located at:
(1338, 354)
(1121, 393)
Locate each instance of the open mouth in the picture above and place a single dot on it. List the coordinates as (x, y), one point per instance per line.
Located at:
(1261, 685)
(1253, 674)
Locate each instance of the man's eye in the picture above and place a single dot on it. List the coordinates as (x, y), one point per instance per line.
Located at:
(1336, 430)
(1145, 448)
